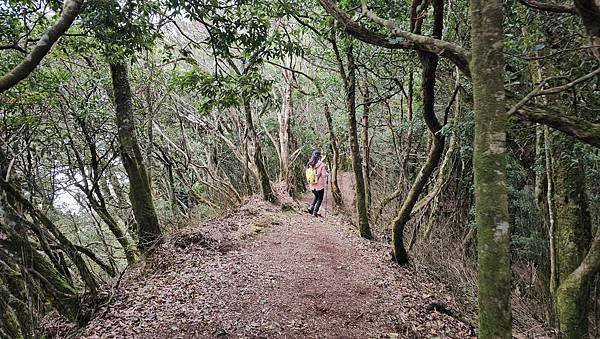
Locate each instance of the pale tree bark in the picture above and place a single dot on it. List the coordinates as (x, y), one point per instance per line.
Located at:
(140, 194)
(71, 9)
(489, 162)
(283, 119)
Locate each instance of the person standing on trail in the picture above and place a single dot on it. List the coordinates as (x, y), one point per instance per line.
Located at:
(316, 174)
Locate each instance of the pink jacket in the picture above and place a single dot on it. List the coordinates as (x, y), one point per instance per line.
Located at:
(321, 177)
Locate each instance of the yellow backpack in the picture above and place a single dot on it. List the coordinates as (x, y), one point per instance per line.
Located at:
(311, 175)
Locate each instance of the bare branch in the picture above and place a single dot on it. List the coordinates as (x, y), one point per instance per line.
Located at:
(539, 91)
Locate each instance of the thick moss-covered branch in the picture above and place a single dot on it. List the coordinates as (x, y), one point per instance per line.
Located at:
(584, 130)
(71, 9)
(66, 244)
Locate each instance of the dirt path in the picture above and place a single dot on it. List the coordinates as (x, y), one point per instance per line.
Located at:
(268, 273)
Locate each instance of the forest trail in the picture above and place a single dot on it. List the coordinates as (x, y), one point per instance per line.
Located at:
(264, 272)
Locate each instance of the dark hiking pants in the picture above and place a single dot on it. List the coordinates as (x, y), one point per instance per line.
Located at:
(314, 208)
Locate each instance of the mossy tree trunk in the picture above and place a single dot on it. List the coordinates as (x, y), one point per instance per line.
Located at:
(140, 194)
(572, 238)
(264, 182)
(349, 79)
(489, 161)
(18, 298)
(9, 323)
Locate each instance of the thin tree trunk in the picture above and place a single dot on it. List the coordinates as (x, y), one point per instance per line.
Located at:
(350, 90)
(489, 162)
(407, 145)
(338, 201)
(283, 119)
(140, 194)
(364, 145)
(429, 63)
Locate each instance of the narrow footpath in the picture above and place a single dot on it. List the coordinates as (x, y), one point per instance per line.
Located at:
(267, 273)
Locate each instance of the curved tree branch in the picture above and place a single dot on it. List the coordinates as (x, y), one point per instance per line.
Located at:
(71, 9)
(398, 38)
(549, 7)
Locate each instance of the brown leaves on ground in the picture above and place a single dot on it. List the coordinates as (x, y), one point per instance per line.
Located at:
(261, 272)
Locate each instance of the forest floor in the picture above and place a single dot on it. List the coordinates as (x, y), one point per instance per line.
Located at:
(263, 272)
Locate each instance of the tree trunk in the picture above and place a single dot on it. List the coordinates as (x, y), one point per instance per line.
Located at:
(489, 160)
(263, 177)
(65, 244)
(338, 201)
(573, 234)
(364, 145)
(9, 324)
(350, 87)
(283, 119)
(140, 194)
(429, 63)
